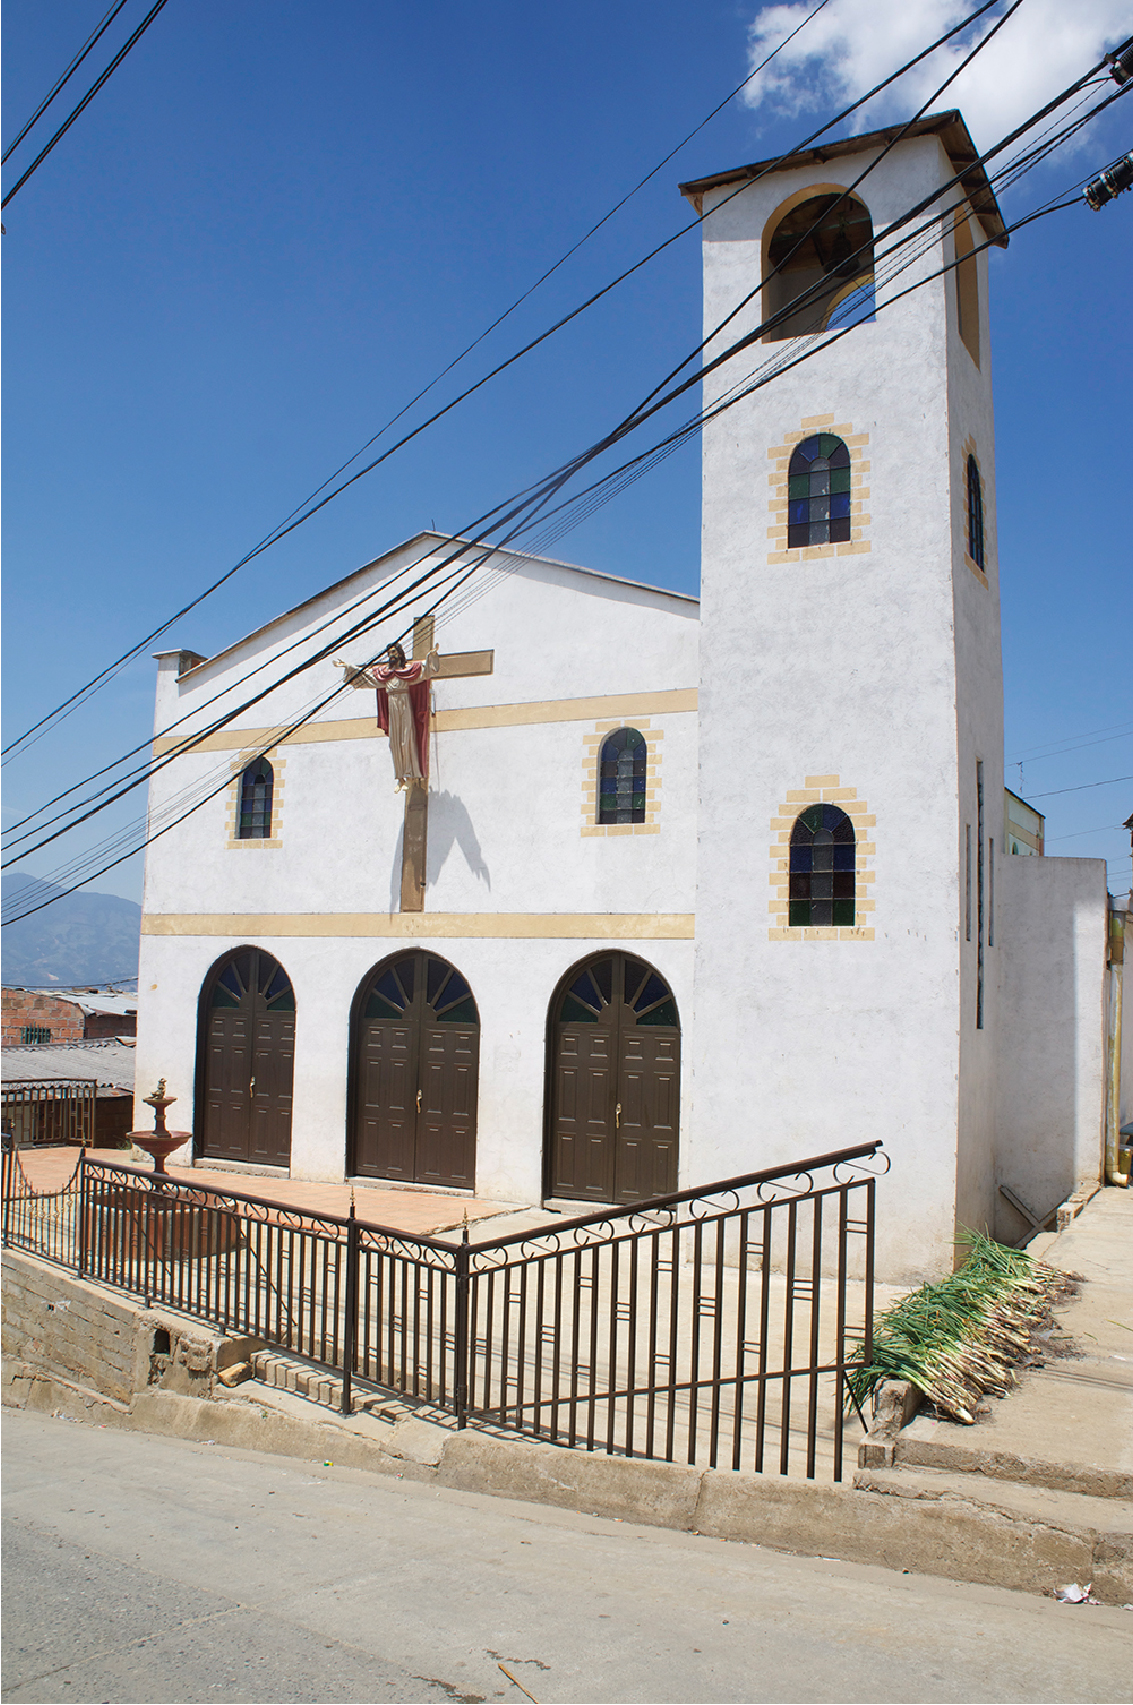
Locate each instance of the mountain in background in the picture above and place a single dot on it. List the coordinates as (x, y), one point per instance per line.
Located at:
(84, 938)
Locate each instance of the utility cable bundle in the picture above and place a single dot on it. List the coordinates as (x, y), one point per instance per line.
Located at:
(310, 508)
(527, 509)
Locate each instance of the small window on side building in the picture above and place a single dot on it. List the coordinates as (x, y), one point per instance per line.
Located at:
(256, 786)
(622, 774)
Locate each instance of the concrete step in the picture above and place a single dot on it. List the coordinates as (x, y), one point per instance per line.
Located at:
(1097, 1532)
(288, 1373)
(282, 1372)
(1056, 1433)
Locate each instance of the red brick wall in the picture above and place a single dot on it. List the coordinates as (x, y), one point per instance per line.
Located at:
(101, 1024)
(63, 1018)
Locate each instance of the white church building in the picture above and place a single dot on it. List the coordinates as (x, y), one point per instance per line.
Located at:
(692, 887)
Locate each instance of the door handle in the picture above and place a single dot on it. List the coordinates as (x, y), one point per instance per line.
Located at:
(618, 1116)
(418, 1101)
(252, 1087)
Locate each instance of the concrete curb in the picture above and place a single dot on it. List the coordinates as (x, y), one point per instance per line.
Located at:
(57, 1329)
(959, 1538)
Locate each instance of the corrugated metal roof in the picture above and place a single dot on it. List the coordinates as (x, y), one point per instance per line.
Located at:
(109, 1062)
(86, 1000)
(122, 1004)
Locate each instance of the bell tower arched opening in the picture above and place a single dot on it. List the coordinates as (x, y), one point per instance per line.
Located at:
(817, 256)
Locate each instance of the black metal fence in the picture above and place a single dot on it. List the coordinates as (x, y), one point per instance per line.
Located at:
(711, 1326)
(50, 1111)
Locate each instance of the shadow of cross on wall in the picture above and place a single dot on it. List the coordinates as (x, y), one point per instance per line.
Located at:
(415, 827)
(449, 825)
(414, 848)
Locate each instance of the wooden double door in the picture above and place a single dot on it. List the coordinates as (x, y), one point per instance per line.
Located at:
(415, 1074)
(248, 1045)
(615, 1083)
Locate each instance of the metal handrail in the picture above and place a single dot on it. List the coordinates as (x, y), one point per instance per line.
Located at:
(615, 1210)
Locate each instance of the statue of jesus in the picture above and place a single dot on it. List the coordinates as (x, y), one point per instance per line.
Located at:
(403, 707)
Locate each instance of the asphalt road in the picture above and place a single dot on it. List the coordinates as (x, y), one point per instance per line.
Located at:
(140, 1568)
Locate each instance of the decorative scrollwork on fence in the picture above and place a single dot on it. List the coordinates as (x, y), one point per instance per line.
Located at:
(851, 1171)
(442, 1257)
(164, 1193)
(791, 1186)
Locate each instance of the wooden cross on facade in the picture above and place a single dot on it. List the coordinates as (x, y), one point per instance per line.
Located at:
(415, 839)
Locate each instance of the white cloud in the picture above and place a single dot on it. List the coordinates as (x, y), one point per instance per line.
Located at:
(853, 44)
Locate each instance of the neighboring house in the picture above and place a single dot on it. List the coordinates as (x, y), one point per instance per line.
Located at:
(693, 889)
(1024, 828)
(38, 1015)
(110, 1064)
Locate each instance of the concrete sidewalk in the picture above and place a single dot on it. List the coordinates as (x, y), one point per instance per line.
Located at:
(1069, 1425)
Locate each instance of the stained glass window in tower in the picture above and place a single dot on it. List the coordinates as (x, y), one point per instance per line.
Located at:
(823, 878)
(818, 492)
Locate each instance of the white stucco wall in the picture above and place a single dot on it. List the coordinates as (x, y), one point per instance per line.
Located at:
(1127, 1025)
(512, 980)
(979, 739)
(1051, 1078)
(848, 665)
(506, 846)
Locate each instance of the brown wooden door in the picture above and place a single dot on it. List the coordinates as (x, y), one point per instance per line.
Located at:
(416, 1074)
(249, 1042)
(615, 1089)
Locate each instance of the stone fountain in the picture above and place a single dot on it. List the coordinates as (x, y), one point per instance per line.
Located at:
(159, 1142)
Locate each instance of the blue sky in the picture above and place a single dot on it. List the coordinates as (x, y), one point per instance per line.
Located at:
(276, 223)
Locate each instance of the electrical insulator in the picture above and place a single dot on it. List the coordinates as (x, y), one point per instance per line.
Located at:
(1109, 183)
(1121, 63)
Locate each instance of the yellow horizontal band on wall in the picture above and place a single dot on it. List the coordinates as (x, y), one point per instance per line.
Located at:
(622, 706)
(411, 926)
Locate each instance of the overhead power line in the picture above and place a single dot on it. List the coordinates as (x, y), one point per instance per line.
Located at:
(1110, 781)
(550, 486)
(60, 82)
(1079, 834)
(86, 100)
(145, 769)
(533, 502)
(298, 518)
(1124, 730)
(556, 481)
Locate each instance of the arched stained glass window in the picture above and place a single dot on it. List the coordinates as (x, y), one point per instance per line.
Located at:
(818, 492)
(248, 974)
(975, 514)
(823, 865)
(256, 786)
(621, 777)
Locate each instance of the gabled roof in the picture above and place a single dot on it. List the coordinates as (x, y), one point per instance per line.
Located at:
(430, 541)
(950, 128)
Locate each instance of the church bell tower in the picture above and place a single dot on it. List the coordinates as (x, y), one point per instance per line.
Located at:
(850, 699)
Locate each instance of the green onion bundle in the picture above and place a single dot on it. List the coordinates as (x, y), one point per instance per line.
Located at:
(958, 1340)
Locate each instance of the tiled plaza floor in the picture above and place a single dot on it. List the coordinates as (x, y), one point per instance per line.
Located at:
(412, 1211)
